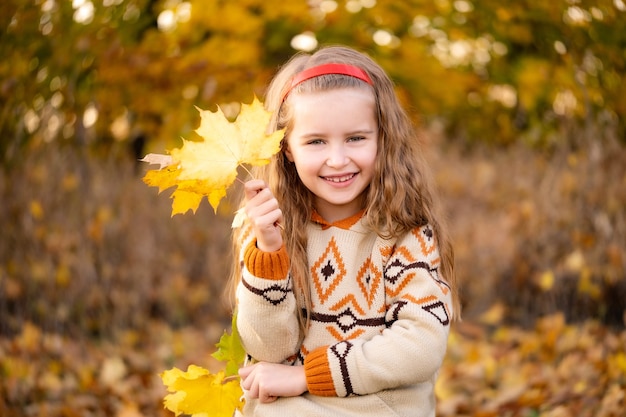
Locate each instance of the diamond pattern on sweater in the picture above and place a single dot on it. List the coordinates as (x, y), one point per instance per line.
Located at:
(328, 271)
(369, 278)
(426, 238)
(346, 320)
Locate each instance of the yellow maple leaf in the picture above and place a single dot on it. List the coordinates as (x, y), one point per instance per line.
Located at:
(199, 393)
(208, 167)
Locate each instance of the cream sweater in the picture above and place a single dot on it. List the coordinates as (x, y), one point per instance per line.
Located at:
(379, 323)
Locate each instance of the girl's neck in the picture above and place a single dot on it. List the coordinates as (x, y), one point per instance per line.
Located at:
(334, 213)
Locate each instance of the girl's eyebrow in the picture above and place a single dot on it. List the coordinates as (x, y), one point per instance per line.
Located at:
(362, 132)
(351, 133)
(312, 135)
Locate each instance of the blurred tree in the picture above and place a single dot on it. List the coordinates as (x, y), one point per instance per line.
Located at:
(131, 71)
(125, 70)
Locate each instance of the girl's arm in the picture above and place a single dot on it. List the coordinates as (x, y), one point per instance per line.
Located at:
(266, 306)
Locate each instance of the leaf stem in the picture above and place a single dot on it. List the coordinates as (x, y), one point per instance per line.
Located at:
(247, 170)
(230, 378)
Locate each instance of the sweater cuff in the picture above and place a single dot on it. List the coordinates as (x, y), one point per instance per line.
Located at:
(267, 265)
(319, 379)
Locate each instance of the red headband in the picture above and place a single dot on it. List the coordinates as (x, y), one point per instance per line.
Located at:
(324, 69)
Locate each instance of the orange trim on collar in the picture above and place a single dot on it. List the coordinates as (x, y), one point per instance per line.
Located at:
(345, 224)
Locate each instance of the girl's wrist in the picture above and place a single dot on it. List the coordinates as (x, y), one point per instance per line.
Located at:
(266, 264)
(264, 247)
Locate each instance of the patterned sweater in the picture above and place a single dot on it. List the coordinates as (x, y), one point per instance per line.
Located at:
(379, 322)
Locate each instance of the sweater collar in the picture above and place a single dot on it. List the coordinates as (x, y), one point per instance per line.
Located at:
(345, 224)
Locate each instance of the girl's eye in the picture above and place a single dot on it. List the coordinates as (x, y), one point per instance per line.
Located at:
(355, 138)
(315, 142)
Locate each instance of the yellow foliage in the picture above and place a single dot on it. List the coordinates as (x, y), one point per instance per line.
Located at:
(546, 281)
(207, 168)
(36, 209)
(202, 394)
(30, 338)
(533, 76)
(199, 393)
(113, 371)
(617, 364)
(494, 315)
(587, 286)
(63, 276)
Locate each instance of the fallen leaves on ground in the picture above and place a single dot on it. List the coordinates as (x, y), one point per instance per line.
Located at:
(46, 374)
(555, 369)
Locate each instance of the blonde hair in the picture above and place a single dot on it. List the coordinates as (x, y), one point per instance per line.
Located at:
(401, 195)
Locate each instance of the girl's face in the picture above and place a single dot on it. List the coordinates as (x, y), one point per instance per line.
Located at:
(333, 144)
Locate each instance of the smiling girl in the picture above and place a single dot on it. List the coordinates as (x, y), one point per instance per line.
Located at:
(345, 283)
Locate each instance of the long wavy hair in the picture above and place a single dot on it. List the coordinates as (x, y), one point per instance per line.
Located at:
(401, 195)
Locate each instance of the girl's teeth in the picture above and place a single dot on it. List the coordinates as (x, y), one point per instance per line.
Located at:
(340, 179)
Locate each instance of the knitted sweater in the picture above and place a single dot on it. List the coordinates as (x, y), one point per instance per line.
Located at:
(379, 322)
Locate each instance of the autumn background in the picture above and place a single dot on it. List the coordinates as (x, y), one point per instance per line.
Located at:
(522, 105)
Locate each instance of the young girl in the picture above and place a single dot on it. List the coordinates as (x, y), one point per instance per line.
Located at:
(345, 287)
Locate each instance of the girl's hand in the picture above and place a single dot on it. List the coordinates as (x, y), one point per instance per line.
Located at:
(264, 214)
(268, 381)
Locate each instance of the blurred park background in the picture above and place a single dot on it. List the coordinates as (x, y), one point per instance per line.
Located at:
(522, 105)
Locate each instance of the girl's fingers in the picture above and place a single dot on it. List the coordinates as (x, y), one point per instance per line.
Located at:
(265, 398)
(264, 214)
(246, 378)
(262, 207)
(253, 187)
(245, 371)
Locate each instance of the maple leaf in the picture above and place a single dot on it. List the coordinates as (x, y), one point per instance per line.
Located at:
(199, 393)
(230, 349)
(202, 394)
(208, 167)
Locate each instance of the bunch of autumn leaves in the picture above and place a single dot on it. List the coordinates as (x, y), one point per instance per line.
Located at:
(207, 168)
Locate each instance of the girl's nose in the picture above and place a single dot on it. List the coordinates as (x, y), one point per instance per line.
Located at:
(337, 157)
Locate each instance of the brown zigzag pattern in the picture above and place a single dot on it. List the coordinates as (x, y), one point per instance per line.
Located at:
(431, 305)
(274, 294)
(400, 268)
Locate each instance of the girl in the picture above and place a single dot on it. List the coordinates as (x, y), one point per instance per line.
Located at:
(345, 285)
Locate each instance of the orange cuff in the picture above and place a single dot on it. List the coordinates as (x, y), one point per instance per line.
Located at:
(268, 265)
(319, 379)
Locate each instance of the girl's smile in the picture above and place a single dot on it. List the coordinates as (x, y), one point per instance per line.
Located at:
(333, 144)
(342, 180)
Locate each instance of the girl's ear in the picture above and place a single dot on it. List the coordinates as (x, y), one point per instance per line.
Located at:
(288, 154)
